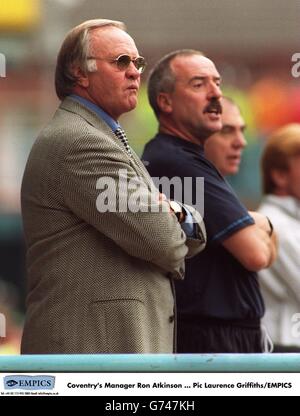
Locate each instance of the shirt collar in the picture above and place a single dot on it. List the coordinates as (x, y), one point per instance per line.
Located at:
(198, 147)
(113, 124)
(286, 203)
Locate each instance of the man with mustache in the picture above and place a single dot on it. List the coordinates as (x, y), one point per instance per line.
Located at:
(100, 274)
(219, 303)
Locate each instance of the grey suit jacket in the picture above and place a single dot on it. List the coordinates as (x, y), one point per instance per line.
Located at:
(97, 282)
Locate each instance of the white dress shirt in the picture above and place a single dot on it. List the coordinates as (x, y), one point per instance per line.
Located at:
(281, 282)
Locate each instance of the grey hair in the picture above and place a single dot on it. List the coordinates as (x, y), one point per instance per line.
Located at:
(162, 78)
(230, 101)
(75, 50)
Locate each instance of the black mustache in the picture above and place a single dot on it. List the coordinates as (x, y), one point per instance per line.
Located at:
(214, 105)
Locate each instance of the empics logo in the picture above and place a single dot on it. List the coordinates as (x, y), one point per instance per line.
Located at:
(29, 382)
(2, 66)
(11, 383)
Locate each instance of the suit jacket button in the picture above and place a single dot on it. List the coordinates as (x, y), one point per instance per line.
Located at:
(171, 318)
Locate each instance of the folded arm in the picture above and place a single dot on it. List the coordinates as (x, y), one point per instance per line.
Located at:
(254, 246)
(92, 176)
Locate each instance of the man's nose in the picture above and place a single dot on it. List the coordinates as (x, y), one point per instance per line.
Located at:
(239, 140)
(214, 91)
(132, 72)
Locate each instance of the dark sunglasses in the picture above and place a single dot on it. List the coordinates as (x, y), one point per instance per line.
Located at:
(123, 62)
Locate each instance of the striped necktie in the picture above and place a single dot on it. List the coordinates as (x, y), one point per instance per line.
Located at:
(121, 135)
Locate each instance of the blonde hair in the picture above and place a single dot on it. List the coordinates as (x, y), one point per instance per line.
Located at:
(75, 51)
(282, 145)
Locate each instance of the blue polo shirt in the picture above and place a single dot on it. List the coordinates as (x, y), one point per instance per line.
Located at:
(216, 285)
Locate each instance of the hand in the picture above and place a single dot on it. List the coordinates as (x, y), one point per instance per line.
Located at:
(162, 197)
(261, 221)
(180, 214)
(267, 234)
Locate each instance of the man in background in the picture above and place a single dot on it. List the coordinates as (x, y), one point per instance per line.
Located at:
(281, 203)
(224, 148)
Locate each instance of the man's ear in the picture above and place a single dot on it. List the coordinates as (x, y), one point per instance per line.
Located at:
(81, 78)
(164, 102)
(280, 178)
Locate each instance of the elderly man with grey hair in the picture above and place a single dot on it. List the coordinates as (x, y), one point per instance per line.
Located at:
(100, 275)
